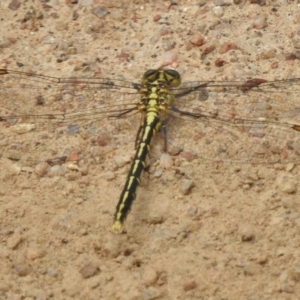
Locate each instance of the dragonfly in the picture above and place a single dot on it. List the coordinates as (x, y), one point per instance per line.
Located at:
(254, 121)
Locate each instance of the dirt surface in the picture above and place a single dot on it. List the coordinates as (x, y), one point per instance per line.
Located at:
(234, 235)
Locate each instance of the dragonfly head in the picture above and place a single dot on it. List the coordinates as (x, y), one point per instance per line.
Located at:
(169, 77)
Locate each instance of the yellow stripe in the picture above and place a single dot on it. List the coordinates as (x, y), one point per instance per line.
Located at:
(151, 126)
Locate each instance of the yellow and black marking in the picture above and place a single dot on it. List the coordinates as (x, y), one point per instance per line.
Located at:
(155, 101)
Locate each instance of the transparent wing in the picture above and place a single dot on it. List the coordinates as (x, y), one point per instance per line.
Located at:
(254, 121)
(43, 117)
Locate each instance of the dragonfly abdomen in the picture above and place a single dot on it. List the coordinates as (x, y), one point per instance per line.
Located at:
(128, 195)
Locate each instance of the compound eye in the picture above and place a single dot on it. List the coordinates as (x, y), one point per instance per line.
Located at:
(172, 73)
(173, 77)
(150, 75)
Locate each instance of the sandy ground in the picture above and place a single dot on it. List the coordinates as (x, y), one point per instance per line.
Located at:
(235, 235)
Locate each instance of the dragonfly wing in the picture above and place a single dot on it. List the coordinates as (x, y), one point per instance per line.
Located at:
(254, 122)
(40, 114)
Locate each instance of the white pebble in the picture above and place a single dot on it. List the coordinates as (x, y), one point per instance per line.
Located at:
(166, 161)
(57, 171)
(109, 175)
(218, 11)
(259, 22)
(185, 186)
(120, 161)
(286, 184)
(149, 276)
(72, 167)
(158, 173)
(41, 169)
(23, 128)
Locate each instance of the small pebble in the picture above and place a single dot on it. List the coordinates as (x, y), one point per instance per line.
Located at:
(26, 169)
(297, 54)
(41, 295)
(158, 173)
(88, 270)
(225, 47)
(295, 272)
(259, 2)
(166, 161)
(41, 169)
(84, 170)
(185, 186)
(99, 11)
(296, 146)
(14, 5)
(281, 251)
(268, 54)
(6, 231)
(287, 288)
(72, 166)
(23, 128)
(149, 276)
(219, 62)
(290, 56)
(154, 218)
(188, 155)
(259, 22)
(168, 4)
(34, 253)
(262, 259)
(21, 269)
(49, 40)
(51, 272)
(111, 248)
(73, 176)
(83, 231)
(208, 48)
(5, 43)
(109, 175)
(56, 171)
(247, 235)
(174, 150)
(164, 30)
(197, 39)
(14, 241)
(189, 285)
(156, 18)
(218, 11)
(274, 65)
(120, 161)
(168, 45)
(195, 213)
(251, 269)
(284, 276)
(287, 184)
(214, 211)
(290, 167)
(73, 155)
(240, 263)
(103, 139)
(151, 293)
